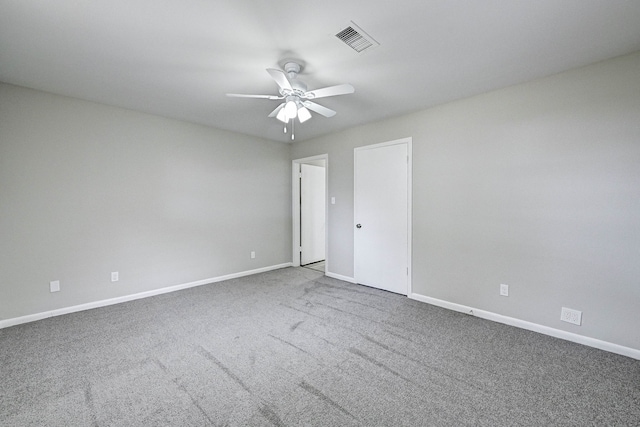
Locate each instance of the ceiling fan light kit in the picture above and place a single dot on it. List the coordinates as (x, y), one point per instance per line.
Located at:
(295, 96)
(291, 108)
(303, 114)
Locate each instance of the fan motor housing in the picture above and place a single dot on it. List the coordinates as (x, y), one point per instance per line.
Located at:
(298, 86)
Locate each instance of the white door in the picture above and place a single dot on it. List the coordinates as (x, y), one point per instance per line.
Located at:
(381, 233)
(312, 213)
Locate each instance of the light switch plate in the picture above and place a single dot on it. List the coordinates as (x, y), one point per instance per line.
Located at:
(54, 286)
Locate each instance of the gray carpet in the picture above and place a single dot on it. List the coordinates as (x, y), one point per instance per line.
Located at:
(292, 347)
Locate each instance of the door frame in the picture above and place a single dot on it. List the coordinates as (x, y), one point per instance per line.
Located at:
(295, 207)
(409, 142)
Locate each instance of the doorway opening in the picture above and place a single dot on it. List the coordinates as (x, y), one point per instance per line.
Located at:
(309, 210)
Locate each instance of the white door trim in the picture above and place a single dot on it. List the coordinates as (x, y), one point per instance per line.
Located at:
(295, 207)
(408, 141)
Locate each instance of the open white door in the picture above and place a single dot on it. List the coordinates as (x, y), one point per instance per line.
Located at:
(312, 213)
(321, 160)
(382, 216)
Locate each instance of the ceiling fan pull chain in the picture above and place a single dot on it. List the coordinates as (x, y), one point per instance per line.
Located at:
(293, 129)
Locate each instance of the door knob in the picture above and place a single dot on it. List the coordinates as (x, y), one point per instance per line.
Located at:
(358, 225)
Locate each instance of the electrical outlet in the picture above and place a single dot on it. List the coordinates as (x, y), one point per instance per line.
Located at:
(504, 290)
(115, 276)
(253, 254)
(571, 316)
(54, 286)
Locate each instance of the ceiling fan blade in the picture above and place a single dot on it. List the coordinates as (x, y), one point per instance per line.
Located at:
(240, 95)
(330, 91)
(280, 77)
(277, 110)
(319, 109)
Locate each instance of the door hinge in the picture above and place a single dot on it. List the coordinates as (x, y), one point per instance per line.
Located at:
(300, 248)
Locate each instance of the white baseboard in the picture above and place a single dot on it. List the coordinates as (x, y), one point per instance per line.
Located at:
(340, 277)
(523, 324)
(111, 301)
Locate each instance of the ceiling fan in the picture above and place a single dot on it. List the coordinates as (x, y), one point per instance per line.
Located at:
(296, 99)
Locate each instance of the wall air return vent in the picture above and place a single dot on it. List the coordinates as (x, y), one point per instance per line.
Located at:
(356, 38)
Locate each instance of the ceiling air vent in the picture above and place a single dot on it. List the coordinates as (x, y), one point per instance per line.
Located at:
(355, 37)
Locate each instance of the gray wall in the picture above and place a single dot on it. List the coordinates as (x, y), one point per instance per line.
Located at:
(87, 189)
(536, 186)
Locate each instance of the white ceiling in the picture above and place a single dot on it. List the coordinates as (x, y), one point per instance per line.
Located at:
(178, 58)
